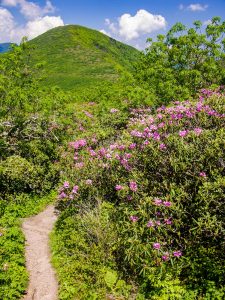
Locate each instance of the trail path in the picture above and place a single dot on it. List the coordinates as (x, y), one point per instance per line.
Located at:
(43, 284)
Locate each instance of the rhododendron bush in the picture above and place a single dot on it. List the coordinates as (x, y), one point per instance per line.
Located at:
(164, 176)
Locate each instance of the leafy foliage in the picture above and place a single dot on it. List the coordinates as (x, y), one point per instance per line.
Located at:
(158, 175)
(183, 61)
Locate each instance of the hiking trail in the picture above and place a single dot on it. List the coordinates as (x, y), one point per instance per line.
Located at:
(42, 279)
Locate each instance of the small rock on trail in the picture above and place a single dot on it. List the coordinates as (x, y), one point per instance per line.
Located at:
(43, 284)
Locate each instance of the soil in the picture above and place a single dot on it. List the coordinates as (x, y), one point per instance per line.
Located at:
(43, 283)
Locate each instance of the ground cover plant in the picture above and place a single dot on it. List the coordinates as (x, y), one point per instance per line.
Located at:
(163, 183)
(141, 190)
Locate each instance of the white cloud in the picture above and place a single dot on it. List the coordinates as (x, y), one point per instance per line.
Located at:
(132, 27)
(38, 22)
(105, 32)
(6, 24)
(197, 7)
(28, 9)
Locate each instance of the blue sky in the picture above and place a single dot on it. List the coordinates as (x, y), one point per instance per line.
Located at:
(130, 21)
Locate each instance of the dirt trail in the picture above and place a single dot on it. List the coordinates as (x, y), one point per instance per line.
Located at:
(43, 284)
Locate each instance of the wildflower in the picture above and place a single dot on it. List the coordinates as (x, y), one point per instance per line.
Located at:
(156, 246)
(66, 185)
(167, 203)
(134, 218)
(177, 253)
(129, 197)
(133, 186)
(183, 133)
(118, 187)
(158, 223)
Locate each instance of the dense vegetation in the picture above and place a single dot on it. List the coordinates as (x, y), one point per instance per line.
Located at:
(141, 185)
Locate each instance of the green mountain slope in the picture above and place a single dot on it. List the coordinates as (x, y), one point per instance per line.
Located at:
(77, 57)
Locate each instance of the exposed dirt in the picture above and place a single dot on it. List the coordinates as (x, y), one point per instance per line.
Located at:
(43, 284)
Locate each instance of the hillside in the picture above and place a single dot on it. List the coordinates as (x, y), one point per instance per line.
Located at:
(76, 56)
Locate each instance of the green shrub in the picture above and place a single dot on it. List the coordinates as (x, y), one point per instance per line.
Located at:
(165, 179)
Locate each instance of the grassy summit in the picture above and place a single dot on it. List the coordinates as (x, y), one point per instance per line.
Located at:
(77, 57)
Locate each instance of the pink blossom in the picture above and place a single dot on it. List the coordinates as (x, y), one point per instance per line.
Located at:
(75, 189)
(198, 131)
(66, 185)
(134, 218)
(177, 253)
(158, 223)
(79, 165)
(132, 146)
(133, 186)
(167, 203)
(156, 246)
(150, 224)
(129, 197)
(168, 221)
(202, 174)
(62, 195)
(157, 201)
(118, 187)
(165, 256)
(183, 133)
(162, 146)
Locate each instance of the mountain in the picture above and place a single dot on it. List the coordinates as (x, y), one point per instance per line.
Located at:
(5, 47)
(76, 57)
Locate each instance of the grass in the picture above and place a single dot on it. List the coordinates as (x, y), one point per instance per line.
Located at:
(76, 57)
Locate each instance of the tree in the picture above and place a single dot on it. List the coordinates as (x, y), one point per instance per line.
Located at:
(183, 61)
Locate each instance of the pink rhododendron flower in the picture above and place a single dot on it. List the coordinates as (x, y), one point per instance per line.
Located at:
(183, 133)
(156, 246)
(62, 195)
(168, 221)
(202, 174)
(177, 253)
(165, 256)
(132, 146)
(133, 186)
(134, 218)
(150, 224)
(198, 131)
(157, 201)
(66, 185)
(158, 223)
(167, 203)
(75, 189)
(162, 146)
(118, 187)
